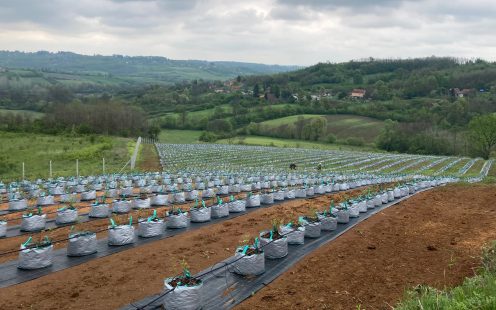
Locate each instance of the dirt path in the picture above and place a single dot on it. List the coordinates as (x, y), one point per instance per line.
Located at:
(149, 160)
(435, 238)
(119, 279)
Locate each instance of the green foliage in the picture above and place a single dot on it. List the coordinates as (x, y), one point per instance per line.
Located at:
(208, 136)
(330, 138)
(483, 134)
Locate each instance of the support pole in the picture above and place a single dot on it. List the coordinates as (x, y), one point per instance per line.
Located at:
(50, 169)
(23, 171)
(77, 169)
(103, 165)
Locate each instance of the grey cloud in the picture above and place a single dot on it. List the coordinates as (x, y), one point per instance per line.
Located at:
(271, 31)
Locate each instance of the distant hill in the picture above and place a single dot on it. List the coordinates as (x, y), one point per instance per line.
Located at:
(135, 68)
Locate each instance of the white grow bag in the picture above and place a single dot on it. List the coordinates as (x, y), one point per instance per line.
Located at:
(300, 193)
(267, 199)
(290, 194)
(278, 196)
(3, 229)
(141, 203)
(91, 195)
(33, 223)
(35, 258)
(99, 211)
(313, 230)
(343, 216)
(362, 206)
(177, 221)
(150, 229)
(237, 206)
(274, 249)
(66, 216)
(328, 223)
(253, 201)
(82, 244)
(179, 197)
(45, 201)
(68, 198)
(223, 190)
(121, 235)
(183, 297)
(208, 193)
(121, 206)
(200, 215)
(294, 236)
(191, 195)
(15, 205)
(159, 200)
(219, 211)
(248, 265)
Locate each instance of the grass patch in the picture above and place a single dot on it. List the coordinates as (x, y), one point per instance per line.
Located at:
(276, 142)
(478, 292)
(36, 150)
(179, 136)
(342, 126)
(32, 114)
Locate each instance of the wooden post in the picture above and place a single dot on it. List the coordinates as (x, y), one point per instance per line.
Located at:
(103, 165)
(50, 169)
(23, 171)
(77, 169)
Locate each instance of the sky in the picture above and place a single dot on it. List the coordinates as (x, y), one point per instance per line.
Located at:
(291, 32)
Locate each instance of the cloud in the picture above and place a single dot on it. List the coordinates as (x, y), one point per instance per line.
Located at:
(299, 32)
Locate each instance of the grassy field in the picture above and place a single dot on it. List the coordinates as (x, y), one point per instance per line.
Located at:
(179, 136)
(342, 126)
(267, 141)
(32, 114)
(36, 150)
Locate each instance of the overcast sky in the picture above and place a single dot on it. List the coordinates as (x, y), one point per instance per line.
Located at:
(300, 32)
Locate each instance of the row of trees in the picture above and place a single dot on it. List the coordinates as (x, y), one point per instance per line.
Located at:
(108, 118)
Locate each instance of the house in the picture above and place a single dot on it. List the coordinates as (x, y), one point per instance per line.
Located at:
(460, 93)
(358, 93)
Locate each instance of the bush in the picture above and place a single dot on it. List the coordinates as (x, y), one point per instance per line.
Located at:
(330, 138)
(208, 136)
(354, 141)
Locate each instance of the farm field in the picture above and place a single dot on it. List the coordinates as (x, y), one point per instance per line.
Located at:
(342, 126)
(253, 186)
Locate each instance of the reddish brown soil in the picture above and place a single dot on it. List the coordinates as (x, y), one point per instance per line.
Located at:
(117, 280)
(149, 160)
(435, 238)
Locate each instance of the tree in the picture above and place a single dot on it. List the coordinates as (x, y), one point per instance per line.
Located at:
(256, 91)
(482, 134)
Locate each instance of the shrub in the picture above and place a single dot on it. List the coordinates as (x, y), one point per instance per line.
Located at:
(330, 138)
(208, 136)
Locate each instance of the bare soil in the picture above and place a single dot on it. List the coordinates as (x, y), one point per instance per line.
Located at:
(434, 238)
